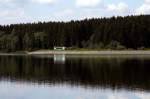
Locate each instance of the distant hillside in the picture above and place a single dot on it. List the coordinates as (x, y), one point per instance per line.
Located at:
(99, 33)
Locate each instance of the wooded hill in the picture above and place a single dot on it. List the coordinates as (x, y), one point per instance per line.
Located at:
(97, 33)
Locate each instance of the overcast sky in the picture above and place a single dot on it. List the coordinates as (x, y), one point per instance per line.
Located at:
(22, 11)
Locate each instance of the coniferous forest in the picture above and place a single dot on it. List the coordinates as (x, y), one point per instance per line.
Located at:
(97, 33)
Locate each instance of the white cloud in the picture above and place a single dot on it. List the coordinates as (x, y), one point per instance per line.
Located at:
(87, 3)
(147, 1)
(10, 3)
(7, 0)
(44, 1)
(120, 8)
(12, 13)
(13, 16)
(143, 9)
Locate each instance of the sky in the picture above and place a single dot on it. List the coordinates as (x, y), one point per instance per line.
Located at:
(25, 11)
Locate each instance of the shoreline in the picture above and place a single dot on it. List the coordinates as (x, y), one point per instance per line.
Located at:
(76, 52)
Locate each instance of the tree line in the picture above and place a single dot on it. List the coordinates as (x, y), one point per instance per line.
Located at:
(96, 33)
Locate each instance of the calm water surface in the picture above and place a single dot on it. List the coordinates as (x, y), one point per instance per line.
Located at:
(74, 77)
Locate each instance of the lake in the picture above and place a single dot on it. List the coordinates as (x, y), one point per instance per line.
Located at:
(74, 77)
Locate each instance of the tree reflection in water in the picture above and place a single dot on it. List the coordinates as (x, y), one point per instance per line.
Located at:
(94, 72)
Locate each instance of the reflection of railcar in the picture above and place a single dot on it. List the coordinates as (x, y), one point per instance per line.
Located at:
(59, 58)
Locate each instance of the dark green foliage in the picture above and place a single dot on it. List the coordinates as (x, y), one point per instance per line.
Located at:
(112, 33)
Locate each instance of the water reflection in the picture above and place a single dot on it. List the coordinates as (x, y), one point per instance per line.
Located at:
(74, 77)
(89, 72)
(28, 91)
(59, 59)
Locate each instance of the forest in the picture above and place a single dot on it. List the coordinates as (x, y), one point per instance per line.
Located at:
(129, 32)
